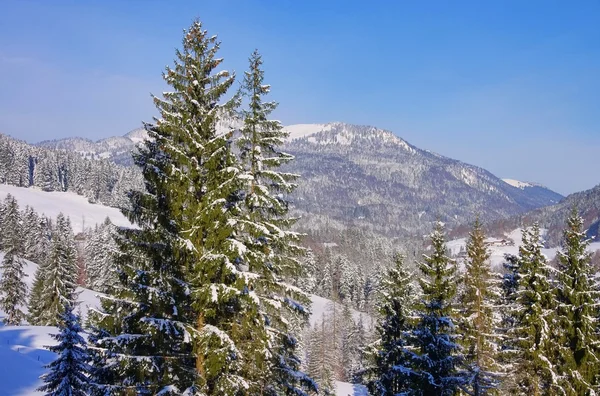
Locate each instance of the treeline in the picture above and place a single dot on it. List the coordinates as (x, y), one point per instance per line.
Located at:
(534, 330)
(99, 180)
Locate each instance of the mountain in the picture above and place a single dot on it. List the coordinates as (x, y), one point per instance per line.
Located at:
(553, 217)
(535, 190)
(117, 148)
(366, 176)
(369, 177)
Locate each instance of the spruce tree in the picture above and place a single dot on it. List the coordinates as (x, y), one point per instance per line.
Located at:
(437, 359)
(392, 366)
(12, 284)
(535, 329)
(578, 297)
(508, 318)
(320, 359)
(68, 373)
(207, 188)
(273, 249)
(56, 280)
(142, 337)
(191, 239)
(477, 326)
(100, 249)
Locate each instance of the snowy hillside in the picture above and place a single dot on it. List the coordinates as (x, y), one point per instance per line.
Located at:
(76, 207)
(22, 352)
(536, 190)
(87, 298)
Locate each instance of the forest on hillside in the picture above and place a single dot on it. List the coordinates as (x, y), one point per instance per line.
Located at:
(210, 293)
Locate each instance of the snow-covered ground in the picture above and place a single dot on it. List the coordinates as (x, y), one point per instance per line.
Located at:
(22, 348)
(346, 389)
(76, 207)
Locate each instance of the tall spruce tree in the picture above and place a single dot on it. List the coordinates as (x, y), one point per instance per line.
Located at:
(68, 375)
(578, 297)
(142, 338)
(195, 188)
(12, 284)
(437, 359)
(265, 223)
(477, 327)
(392, 365)
(535, 329)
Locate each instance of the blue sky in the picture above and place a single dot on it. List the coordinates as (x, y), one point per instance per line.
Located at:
(512, 86)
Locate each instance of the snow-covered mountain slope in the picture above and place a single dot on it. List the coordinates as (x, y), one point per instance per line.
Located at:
(536, 190)
(362, 175)
(322, 307)
(553, 218)
(77, 208)
(22, 358)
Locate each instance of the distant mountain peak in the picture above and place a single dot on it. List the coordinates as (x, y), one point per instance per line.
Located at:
(137, 135)
(343, 134)
(522, 185)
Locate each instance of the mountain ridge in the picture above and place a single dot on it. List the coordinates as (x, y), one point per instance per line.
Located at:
(365, 176)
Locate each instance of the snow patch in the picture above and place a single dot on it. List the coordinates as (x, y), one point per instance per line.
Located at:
(347, 389)
(520, 184)
(76, 207)
(299, 131)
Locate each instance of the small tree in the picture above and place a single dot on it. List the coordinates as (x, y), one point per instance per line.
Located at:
(438, 354)
(392, 365)
(12, 285)
(68, 373)
(578, 298)
(56, 280)
(535, 329)
(477, 327)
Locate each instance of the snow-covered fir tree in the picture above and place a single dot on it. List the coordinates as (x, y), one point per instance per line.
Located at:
(477, 325)
(100, 249)
(56, 279)
(142, 337)
(507, 316)
(68, 373)
(391, 369)
(273, 250)
(579, 316)
(13, 290)
(206, 184)
(436, 362)
(320, 360)
(535, 330)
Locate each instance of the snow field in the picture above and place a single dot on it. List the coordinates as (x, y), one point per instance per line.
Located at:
(76, 207)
